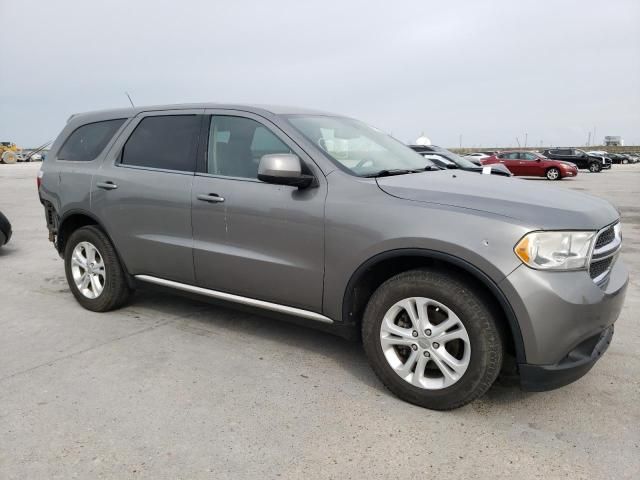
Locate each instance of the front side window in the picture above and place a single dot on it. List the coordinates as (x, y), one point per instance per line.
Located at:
(236, 145)
(88, 141)
(361, 149)
(167, 142)
(529, 156)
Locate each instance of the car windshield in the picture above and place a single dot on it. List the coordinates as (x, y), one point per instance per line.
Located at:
(363, 150)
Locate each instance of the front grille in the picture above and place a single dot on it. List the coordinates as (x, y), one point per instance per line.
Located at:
(605, 237)
(605, 251)
(599, 267)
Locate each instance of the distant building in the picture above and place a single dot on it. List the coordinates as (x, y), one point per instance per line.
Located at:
(613, 141)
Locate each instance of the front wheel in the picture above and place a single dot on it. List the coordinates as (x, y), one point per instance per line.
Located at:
(9, 157)
(93, 270)
(595, 167)
(553, 174)
(431, 339)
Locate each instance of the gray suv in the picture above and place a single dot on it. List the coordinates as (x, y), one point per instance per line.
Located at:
(447, 278)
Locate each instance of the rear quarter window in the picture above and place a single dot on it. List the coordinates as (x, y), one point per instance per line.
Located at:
(88, 141)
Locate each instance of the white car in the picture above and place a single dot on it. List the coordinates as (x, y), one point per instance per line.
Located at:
(476, 157)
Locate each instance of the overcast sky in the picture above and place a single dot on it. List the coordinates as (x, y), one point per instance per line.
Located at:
(489, 71)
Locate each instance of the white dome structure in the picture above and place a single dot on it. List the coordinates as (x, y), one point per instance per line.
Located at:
(422, 140)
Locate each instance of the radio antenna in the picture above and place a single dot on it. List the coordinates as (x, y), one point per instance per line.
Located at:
(129, 97)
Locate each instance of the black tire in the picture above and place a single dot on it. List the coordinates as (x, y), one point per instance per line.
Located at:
(595, 167)
(473, 311)
(116, 289)
(553, 174)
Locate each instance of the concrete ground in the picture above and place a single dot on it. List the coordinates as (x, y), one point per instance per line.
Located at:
(174, 388)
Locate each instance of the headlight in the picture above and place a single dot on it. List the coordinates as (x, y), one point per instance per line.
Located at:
(555, 250)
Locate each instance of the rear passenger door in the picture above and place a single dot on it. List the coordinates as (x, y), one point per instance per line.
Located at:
(252, 238)
(142, 193)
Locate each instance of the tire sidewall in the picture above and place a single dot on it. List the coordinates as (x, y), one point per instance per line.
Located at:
(471, 311)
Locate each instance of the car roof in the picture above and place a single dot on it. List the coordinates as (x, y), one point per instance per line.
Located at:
(264, 110)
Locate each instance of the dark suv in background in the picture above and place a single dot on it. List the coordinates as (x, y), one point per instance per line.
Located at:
(446, 276)
(582, 159)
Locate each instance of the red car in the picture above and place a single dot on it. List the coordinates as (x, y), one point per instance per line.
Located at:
(532, 164)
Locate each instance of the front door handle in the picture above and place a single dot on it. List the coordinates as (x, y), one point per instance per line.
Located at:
(108, 185)
(211, 198)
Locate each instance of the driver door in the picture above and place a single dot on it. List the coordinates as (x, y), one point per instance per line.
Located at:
(530, 166)
(252, 238)
(511, 160)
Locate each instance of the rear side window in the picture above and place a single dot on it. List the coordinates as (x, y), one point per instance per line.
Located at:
(164, 142)
(88, 141)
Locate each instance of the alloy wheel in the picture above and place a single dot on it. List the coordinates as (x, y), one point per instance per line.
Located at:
(88, 270)
(425, 343)
(553, 174)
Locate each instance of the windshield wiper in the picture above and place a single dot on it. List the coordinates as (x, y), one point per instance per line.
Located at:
(400, 171)
(389, 172)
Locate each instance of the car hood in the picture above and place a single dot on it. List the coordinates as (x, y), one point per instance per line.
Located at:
(533, 204)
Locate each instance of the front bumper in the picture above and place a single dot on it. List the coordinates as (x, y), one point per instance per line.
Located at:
(565, 319)
(538, 378)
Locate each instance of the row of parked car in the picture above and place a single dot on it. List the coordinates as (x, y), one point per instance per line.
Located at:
(630, 157)
(554, 164)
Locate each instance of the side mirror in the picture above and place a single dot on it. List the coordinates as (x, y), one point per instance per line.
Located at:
(283, 169)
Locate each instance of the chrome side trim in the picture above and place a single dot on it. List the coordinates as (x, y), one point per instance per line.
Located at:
(252, 302)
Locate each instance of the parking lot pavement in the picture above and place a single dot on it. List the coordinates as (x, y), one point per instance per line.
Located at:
(169, 387)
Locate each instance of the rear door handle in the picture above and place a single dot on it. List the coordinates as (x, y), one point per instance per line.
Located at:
(108, 185)
(211, 198)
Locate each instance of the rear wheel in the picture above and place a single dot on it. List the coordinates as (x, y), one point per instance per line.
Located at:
(93, 270)
(553, 174)
(431, 339)
(595, 167)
